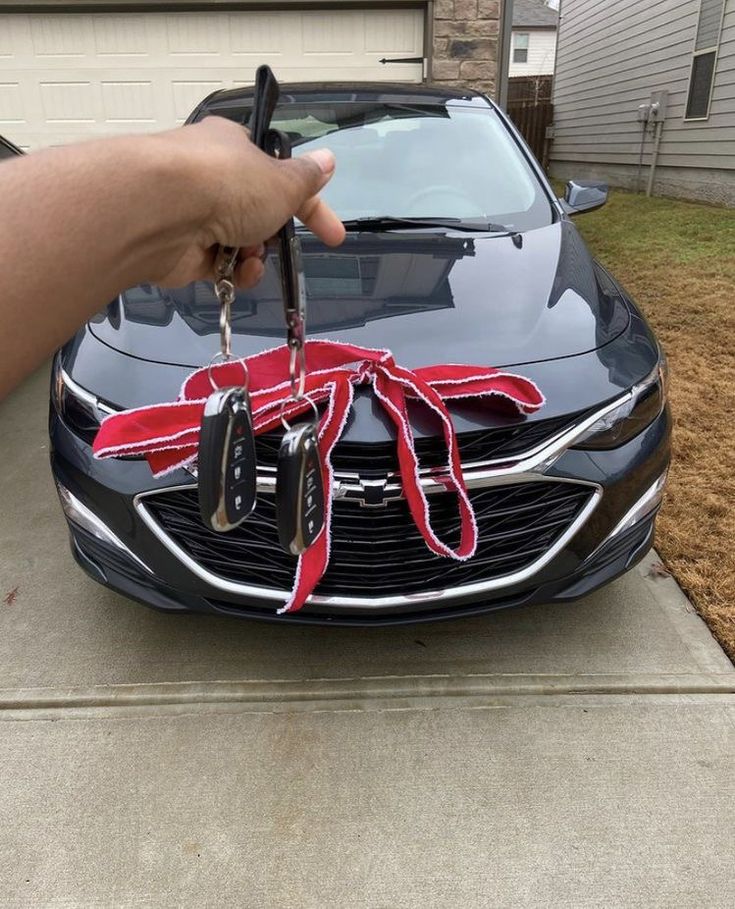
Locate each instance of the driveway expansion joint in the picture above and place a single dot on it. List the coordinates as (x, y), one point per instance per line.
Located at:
(354, 690)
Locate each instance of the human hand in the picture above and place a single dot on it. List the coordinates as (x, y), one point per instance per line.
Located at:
(242, 197)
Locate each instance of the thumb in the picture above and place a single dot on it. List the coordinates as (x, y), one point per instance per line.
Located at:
(306, 175)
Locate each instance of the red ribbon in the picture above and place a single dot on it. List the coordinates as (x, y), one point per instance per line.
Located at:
(168, 434)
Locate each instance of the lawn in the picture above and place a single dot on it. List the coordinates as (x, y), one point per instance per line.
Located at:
(677, 259)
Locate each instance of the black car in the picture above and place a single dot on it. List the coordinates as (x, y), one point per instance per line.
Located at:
(457, 251)
(8, 149)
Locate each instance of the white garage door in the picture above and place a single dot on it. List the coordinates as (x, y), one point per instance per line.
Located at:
(69, 77)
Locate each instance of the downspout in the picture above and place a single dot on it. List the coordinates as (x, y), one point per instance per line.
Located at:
(640, 156)
(501, 72)
(428, 40)
(654, 156)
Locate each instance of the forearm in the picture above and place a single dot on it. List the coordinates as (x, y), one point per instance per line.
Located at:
(79, 225)
(82, 223)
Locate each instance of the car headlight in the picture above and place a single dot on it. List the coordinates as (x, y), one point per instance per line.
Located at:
(80, 409)
(647, 400)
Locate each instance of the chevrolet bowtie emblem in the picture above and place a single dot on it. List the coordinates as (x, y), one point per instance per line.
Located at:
(369, 493)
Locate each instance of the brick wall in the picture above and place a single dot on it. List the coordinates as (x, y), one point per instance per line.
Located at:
(466, 43)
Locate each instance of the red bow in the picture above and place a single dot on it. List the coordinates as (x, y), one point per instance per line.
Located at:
(168, 434)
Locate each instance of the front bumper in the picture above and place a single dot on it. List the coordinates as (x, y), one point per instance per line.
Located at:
(140, 566)
(104, 565)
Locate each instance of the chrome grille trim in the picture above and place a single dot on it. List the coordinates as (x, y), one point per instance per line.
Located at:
(529, 468)
(476, 473)
(439, 596)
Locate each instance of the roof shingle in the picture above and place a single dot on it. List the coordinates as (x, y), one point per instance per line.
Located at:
(533, 14)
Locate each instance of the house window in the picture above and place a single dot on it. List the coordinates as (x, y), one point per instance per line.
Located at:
(702, 73)
(520, 47)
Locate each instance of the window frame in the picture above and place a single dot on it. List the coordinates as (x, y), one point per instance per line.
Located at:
(698, 53)
(514, 49)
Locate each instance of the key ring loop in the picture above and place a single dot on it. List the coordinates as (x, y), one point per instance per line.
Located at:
(226, 358)
(284, 404)
(225, 290)
(298, 380)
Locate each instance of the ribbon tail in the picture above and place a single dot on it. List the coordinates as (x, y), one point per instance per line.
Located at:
(313, 563)
(392, 383)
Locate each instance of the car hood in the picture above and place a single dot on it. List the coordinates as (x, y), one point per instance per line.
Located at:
(492, 300)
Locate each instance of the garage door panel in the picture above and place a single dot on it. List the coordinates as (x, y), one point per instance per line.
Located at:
(195, 35)
(69, 102)
(129, 102)
(121, 35)
(15, 37)
(263, 34)
(65, 77)
(188, 93)
(61, 36)
(333, 33)
(399, 33)
(11, 103)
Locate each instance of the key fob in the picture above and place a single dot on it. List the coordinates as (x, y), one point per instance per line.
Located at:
(299, 488)
(265, 97)
(227, 472)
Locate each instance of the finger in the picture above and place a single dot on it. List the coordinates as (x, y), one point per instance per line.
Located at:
(253, 252)
(322, 221)
(249, 272)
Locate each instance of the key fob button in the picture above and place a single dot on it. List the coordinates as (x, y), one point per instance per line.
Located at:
(226, 427)
(299, 489)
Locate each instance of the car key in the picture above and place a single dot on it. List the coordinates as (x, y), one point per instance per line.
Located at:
(299, 483)
(265, 98)
(227, 475)
(299, 488)
(227, 470)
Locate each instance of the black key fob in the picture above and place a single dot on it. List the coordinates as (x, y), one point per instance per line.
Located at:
(226, 469)
(299, 489)
(265, 97)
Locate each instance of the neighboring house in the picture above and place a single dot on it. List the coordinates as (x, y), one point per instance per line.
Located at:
(533, 39)
(71, 70)
(612, 57)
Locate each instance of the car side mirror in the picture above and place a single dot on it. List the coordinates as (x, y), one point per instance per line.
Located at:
(583, 195)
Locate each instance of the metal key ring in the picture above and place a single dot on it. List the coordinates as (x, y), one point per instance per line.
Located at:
(297, 357)
(284, 404)
(227, 358)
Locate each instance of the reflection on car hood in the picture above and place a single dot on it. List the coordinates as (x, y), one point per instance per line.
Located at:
(493, 300)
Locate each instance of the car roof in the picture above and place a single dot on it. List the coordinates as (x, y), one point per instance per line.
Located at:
(423, 93)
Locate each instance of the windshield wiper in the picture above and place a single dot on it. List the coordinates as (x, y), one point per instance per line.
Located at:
(391, 222)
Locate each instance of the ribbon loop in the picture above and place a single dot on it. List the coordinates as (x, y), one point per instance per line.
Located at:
(168, 434)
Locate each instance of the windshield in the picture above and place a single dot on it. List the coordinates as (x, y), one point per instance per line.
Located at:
(448, 160)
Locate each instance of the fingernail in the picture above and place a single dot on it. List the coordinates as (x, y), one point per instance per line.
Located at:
(324, 159)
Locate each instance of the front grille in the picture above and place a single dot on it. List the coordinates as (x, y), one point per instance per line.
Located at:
(377, 459)
(379, 552)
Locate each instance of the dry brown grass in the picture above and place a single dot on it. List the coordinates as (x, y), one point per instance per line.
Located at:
(677, 259)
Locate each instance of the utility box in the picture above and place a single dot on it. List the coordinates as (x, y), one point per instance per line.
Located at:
(653, 111)
(658, 105)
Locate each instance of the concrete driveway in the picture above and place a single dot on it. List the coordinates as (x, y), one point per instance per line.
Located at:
(555, 756)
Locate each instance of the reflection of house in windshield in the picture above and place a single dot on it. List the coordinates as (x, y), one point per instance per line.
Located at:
(344, 289)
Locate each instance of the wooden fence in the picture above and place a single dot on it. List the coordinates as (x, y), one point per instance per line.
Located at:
(529, 88)
(532, 119)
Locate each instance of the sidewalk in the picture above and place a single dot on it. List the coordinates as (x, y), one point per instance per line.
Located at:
(577, 755)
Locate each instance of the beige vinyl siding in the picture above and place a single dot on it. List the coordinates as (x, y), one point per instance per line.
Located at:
(541, 51)
(611, 55)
